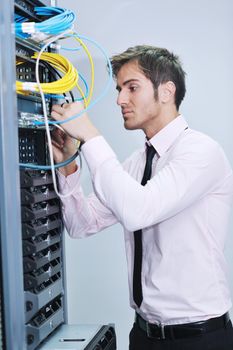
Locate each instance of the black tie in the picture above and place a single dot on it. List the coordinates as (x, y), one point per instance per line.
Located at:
(137, 283)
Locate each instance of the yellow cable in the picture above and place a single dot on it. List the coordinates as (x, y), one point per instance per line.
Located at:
(65, 84)
(54, 60)
(92, 67)
(69, 80)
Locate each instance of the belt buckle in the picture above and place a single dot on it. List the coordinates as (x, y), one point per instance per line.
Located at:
(159, 328)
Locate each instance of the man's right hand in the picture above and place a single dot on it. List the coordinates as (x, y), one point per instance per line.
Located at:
(81, 128)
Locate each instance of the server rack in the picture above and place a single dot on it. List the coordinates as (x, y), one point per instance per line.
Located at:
(40, 210)
(32, 308)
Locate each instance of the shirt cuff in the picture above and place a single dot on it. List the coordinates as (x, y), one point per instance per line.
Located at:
(96, 151)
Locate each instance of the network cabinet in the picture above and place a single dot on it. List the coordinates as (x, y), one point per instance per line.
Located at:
(38, 263)
(40, 210)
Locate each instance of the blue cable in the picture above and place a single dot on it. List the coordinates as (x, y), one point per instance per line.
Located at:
(61, 20)
(48, 167)
(19, 19)
(86, 88)
(71, 48)
(104, 92)
(58, 97)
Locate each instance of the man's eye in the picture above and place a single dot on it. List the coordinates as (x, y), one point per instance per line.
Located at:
(133, 88)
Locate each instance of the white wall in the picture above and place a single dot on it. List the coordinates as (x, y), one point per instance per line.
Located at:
(200, 32)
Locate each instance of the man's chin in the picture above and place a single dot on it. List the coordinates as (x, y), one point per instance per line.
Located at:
(129, 127)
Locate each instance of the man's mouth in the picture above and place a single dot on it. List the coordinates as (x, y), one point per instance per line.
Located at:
(125, 112)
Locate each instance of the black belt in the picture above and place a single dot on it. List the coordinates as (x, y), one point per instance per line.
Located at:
(185, 330)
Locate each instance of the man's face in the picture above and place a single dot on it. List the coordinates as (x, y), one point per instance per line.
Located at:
(136, 98)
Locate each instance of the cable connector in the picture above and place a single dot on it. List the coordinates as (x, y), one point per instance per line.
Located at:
(40, 36)
(55, 46)
(28, 86)
(28, 27)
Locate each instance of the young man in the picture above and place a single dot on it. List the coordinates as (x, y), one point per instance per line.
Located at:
(174, 209)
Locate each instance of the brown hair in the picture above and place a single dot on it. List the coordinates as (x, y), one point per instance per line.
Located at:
(158, 64)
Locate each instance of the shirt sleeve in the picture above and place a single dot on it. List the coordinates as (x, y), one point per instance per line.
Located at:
(195, 169)
(82, 216)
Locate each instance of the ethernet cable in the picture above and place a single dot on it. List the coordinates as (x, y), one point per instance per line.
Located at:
(60, 21)
(92, 68)
(73, 99)
(56, 123)
(19, 19)
(90, 93)
(71, 48)
(59, 62)
(55, 73)
(58, 66)
(86, 88)
(65, 84)
(57, 165)
(103, 93)
(46, 122)
(62, 85)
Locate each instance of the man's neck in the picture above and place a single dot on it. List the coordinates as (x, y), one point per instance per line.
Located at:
(160, 123)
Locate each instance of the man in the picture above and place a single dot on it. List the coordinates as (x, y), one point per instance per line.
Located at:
(174, 215)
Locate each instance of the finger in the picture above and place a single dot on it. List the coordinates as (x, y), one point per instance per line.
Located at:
(57, 144)
(58, 139)
(58, 109)
(57, 132)
(57, 116)
(71, 105)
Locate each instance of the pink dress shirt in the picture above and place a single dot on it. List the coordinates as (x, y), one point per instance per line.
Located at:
(183, 211)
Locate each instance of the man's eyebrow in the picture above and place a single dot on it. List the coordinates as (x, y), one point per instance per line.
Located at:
(125, 83)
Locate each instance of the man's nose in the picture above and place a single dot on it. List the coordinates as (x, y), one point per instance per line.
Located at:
(122, 98)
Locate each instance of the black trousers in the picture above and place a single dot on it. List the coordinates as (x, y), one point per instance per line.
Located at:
(222, 339)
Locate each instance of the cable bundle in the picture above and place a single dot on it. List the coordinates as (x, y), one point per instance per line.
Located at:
(65, 84)
(19, 19)
(58, 28)
(61, 20)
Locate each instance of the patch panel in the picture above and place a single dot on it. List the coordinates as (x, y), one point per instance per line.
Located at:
(32, 146)
(26, 72)
(26, 8)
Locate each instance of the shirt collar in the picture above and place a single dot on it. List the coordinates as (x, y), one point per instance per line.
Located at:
(167, 136)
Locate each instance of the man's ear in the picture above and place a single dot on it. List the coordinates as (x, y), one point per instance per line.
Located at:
(167, 92)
